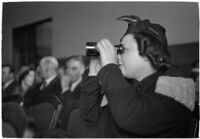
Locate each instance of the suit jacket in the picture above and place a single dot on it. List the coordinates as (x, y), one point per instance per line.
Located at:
(9, 91)
(70, 102)
(47, 94)
(68, 95)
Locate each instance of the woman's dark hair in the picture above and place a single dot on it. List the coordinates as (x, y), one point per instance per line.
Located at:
(23, 75)
(154, 50)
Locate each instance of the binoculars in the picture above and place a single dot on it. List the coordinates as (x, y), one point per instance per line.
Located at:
(91, 50)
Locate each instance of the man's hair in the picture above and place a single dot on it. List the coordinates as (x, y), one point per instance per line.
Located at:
(11, 69)
(79, 58)
(154, 50)
(50, 60)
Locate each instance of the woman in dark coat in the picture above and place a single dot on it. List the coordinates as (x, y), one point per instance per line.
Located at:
(159, 100)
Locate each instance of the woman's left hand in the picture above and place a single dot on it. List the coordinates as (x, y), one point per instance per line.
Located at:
(107, 52)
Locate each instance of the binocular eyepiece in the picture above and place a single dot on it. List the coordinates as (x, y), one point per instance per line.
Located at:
(91, 50)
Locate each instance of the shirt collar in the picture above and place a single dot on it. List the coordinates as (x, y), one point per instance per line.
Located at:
(73, 86)
(8, 83)
(49, 79)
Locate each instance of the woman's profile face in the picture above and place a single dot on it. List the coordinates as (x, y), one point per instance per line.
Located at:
(30, 78)
(131, 63)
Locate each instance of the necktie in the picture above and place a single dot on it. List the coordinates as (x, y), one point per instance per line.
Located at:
(43, 85)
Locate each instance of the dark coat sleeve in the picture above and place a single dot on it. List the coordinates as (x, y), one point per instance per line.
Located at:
(90, 99)
(132, 111)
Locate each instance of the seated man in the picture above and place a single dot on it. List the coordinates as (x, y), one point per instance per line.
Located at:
(50, 86)
(9, 85)
(71, 83)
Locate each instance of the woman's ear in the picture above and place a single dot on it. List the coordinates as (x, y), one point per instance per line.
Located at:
(144, 44)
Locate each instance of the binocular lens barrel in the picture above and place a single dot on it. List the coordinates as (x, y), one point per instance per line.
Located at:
(91, 50)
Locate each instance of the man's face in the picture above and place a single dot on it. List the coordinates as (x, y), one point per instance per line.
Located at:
(6, 75)
(43, 70)
(130, 62)
(74, 69)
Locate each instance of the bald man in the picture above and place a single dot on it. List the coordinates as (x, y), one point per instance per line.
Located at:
(50, 86)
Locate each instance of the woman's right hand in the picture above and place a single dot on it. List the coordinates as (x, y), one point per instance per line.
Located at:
(94, 67)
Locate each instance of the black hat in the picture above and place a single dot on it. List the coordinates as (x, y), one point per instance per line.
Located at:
(136, 24)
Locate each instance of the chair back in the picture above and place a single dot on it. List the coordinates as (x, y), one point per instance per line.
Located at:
(15, 115)
(42, 114)
(55, 117)
(79, 128)
(8, 131)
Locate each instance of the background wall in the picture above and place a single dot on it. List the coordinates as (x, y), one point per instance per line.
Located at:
(74, 23)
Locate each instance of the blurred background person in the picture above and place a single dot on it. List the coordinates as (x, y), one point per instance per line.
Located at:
(26, 81)
(38, 77)
(61, 71)
(50, 85)
(9, 85)
(21, 70)
(75, 67)
(71, 87)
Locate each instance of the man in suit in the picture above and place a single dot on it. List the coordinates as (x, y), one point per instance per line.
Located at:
(75, 67)
(50, 87)
(71, 86)
(9, 86)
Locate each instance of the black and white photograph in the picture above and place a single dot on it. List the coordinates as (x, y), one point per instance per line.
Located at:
(100, 69)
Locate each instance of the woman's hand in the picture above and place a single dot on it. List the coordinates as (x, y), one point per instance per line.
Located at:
(94, 67)
(108, 53)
